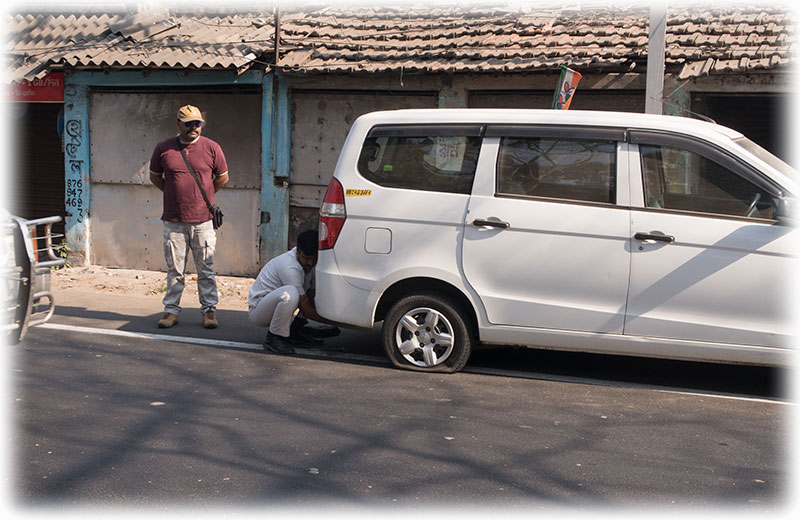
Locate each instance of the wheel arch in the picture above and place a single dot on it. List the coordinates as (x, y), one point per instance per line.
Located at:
(422, 284)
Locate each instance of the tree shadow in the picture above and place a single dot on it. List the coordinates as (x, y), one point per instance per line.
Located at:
(121, 421)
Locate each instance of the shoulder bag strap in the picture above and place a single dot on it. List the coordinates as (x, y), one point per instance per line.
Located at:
(191, 170)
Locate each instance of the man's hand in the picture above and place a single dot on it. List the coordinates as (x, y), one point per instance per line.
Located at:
(157, 180)
(309, 310)
(220, 181)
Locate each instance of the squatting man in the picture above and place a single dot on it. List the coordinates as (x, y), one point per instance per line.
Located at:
(284, 286)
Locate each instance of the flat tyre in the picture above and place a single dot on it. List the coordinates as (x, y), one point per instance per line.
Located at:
(427, 332)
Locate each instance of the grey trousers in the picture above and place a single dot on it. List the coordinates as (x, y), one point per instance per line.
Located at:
(179, 239)
(276, 310)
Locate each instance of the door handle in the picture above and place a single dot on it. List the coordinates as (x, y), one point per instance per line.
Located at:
(652, 236)
(490, 223)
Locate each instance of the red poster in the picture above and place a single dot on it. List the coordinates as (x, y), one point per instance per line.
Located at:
(49, 89)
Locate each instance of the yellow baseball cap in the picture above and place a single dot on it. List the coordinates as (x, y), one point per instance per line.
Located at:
(190, 113)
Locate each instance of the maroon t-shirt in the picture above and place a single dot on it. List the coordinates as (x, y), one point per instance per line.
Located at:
(183, 201)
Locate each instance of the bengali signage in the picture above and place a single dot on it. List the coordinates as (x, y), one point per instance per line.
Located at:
(48, 89)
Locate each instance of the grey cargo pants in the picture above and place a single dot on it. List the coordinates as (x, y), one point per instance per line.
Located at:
(201, 239)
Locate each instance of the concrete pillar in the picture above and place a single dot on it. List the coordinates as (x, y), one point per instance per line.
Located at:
(655, 57)
(453, 94)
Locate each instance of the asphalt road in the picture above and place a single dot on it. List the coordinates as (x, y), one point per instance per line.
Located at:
(136, 419)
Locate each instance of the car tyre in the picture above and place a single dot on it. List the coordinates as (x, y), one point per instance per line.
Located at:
(427, 332)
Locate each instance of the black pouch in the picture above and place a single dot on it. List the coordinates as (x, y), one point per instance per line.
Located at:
(216, 217)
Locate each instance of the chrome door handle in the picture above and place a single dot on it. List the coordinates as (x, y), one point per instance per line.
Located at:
(653, 236)
(490, 223)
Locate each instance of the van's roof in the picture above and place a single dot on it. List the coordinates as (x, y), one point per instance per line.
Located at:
(710, 132)
(534, 116)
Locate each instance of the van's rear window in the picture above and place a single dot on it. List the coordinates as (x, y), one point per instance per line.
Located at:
(427, 162)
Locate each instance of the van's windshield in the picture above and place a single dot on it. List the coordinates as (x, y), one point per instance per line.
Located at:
(767, 157)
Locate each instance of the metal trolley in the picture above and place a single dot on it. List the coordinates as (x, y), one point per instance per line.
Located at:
(27, 248)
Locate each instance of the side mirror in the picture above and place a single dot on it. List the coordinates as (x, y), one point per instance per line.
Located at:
(786, 212)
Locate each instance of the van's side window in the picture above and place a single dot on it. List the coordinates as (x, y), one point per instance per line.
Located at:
(684, 180)
(431, 163)
(561, 168)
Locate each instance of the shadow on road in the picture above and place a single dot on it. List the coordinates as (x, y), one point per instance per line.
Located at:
(364, 347)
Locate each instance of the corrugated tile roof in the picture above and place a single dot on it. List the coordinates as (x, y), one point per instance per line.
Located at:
(141, 40)
(407, 38)
(700, 41)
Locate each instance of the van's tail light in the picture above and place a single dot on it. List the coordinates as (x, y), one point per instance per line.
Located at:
(331, 215)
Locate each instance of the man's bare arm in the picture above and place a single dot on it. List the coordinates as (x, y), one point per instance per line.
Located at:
(309, 311)
(158, 180)
(220, 181)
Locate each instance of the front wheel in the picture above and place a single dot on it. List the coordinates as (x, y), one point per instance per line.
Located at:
(427, 332)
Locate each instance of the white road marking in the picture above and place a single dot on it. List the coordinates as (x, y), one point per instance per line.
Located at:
(203, 341)
(147, 335)
(381, 360)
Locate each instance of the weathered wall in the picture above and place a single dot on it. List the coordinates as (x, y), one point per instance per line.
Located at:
(320, 123)
(125, 125)
(126, 208)
(321, 117)
(127, 229)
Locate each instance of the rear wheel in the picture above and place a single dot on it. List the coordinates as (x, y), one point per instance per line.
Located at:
(427, 332)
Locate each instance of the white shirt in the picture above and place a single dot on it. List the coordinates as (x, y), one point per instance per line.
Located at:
(282, 270)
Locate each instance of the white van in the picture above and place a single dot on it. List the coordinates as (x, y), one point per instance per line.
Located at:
(602, 232)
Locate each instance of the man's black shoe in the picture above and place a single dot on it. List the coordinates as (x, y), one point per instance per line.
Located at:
(277, 344)
(298, 323)
(322, 331)
(302, 337)
(298, 333)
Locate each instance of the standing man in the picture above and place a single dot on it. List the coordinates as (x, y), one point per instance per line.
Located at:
(187, 220)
